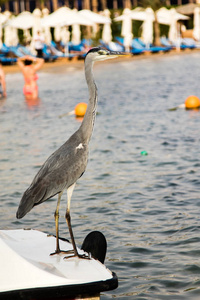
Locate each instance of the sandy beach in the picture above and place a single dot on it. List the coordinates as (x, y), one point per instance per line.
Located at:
(64, 63)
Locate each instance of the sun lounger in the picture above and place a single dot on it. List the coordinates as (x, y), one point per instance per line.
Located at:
(7, 60)
(190, 43)
(4, 56)
(4, 49)
(24, 50)
(120, 40)
(16, 51)
(183, 43)
(86, 42)
(133, 50)
(112, 46)
(78, 49)
(138, 47)
(57, 50)
(48, 55)
(138, 44)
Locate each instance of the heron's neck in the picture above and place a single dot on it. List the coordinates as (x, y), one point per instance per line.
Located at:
(89, 118)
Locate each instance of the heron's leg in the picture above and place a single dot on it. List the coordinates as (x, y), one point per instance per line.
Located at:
(56, 215)
(68, 219)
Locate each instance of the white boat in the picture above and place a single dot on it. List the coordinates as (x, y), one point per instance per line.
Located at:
(28, 271)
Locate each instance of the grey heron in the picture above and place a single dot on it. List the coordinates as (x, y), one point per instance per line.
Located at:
(67, 164)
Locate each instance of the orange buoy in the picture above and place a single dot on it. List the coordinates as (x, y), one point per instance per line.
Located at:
(80, 109)
(192, 102)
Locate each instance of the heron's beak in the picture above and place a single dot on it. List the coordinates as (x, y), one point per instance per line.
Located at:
(114, 54)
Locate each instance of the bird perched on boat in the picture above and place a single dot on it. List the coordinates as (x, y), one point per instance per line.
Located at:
(67, 164)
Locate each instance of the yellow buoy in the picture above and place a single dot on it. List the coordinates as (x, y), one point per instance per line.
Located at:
(192, 102)
(80, 109)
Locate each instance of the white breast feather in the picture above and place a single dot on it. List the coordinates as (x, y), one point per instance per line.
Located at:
(80, 146)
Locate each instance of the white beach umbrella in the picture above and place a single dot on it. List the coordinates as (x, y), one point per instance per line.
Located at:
(95, 17)
(139, 14)
(27, 35)
(8, 36)
(65, 17)
(57, 33)
(127, 41)
(95, 28)
(24, 20)
(4, 17)
(1, 35)
(65, 35)
(107, 31)
(76, 34)
(10, 33)
(7, 29)
(46, 29)
(15, 37)
(164, 15)
(36, 27)
(36, 21)
(179, 16)
(125, 15)
(147, 27)
(173, 30)
(128, 15)
(11, 36)
(126, 30)
(56, 18)
(196, 30)
(170, 17)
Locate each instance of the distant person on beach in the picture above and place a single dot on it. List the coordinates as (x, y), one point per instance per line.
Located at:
(39, 43)
(2, 82)
(29, 66)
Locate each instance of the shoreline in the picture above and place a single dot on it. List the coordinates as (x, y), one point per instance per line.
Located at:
(75, 64)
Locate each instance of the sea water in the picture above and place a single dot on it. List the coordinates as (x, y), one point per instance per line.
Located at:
(147, 206)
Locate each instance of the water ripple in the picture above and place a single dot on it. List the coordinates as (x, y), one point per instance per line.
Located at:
(147, 206)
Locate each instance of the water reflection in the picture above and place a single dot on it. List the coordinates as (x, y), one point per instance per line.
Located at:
(32, 102)
(2, 104)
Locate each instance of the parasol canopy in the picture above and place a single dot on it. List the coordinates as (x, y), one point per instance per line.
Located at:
(24, 20)
(65, 17)
(187, 9)
(94, 17)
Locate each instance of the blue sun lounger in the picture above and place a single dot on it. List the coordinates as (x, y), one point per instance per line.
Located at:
(138, 44)
(184, 43)
(133, 50)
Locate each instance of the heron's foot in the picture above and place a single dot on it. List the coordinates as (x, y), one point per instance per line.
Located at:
(62, 252)
(81, 256)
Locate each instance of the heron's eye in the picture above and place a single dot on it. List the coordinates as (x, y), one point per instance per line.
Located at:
(102, 52)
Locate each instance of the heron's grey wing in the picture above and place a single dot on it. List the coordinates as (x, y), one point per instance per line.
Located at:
(61, 170)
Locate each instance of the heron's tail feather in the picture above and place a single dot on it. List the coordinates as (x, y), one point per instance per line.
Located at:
(32, 196)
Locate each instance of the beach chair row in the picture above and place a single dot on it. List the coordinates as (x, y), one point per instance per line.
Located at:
(9, 55)
(138, 47)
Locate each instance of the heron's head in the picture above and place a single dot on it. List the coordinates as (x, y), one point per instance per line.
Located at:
(99, 53)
